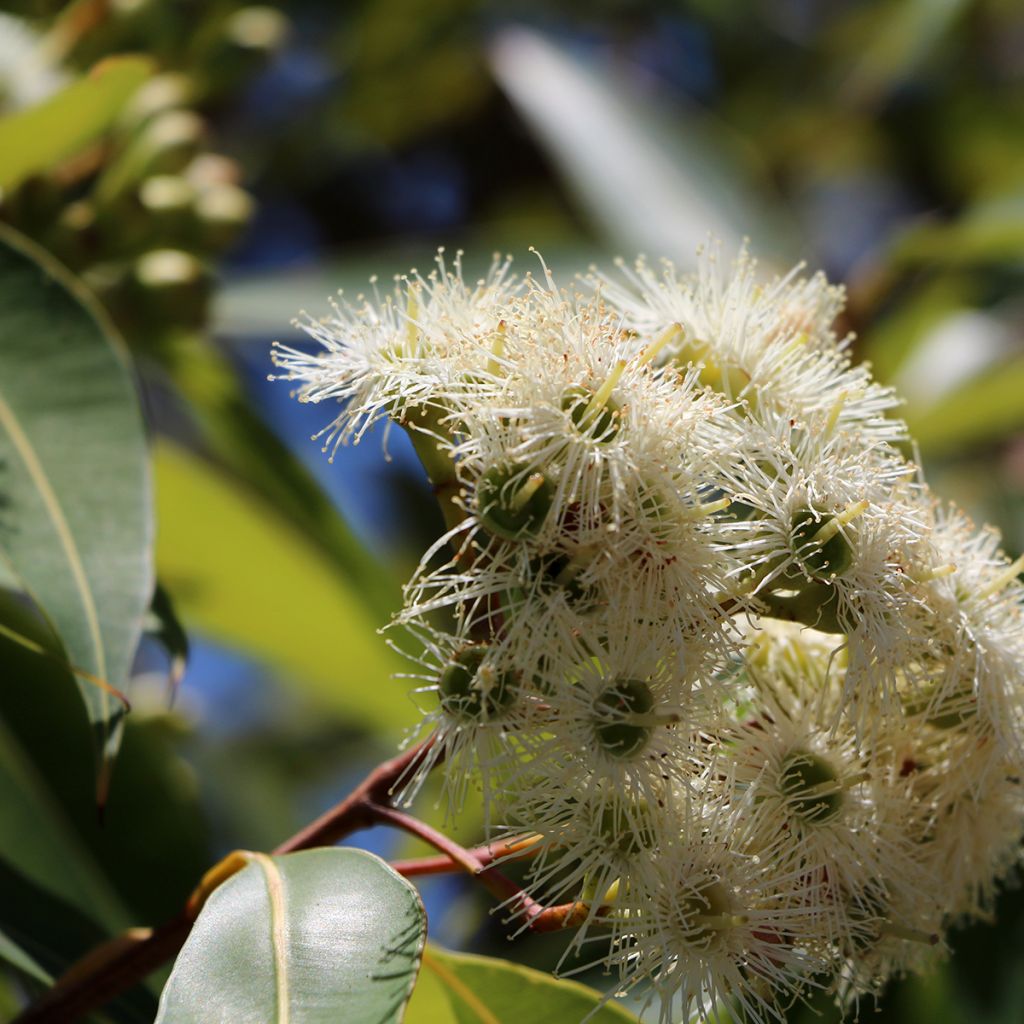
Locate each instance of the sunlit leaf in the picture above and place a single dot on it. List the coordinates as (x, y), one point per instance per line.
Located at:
(243, 574)
(308, 938)
(652, 180)
(896, 38)
(248, 449)
(36, 139)
(485, 990)
(74, 475)
(985, 409)
(888, 345)
(990, 232)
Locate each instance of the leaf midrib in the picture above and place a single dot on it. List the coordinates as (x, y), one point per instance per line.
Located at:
(23, 445)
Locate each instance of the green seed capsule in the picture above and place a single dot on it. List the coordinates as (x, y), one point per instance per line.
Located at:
(821, 561)
(513, 501)
(614, 708)
(809, 784)
(601, 424)
(471, 689)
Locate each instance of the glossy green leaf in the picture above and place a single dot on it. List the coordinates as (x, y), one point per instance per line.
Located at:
(36, 139)
(74, 475)
(308, 938)
(485, 990)
(654, 180)
(987, 408)
(243, 574)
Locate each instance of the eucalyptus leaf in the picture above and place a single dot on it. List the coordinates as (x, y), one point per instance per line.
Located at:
(307, 938)
(244, 575)
(76, 515)
(655, 180)
(985, 409)
(40, 137)
(242, 443)
(486, 990)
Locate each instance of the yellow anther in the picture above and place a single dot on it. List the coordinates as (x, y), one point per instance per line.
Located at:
(708, 508)
(667, 336)
(497, 349)
(412, 331)
(837, 522)
(533, 483)
(835, 412)
(603, 393)
(1003, 580)
(936, 573)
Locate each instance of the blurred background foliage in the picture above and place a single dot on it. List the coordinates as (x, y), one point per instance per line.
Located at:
(248, 161)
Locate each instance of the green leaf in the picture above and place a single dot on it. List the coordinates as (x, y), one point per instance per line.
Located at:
(989, 232)
(655, 180)
(249, 450)
(987, 408)
(896, 38)
(243, 574)
(36, 139)
(889, 345)
(74, 476)
(484, 990)
(319, 936)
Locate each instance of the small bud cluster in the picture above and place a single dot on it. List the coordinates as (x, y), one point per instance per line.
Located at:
(696, 626)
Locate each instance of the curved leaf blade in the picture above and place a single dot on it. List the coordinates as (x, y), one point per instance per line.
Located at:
(36, 139)
(76, 517)
(306, 938)
(243, 574)
(486, 990)
(653, 180)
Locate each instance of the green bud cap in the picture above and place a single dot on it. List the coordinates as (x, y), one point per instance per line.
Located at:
(600, 424)
(710, 900)
(811, 788)
(513, 501)
(822, 561)
(630, 832)
(614, 708)
(560, 573)
(470, 689)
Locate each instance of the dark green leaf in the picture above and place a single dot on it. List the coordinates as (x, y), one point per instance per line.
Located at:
(320, 936)
(74, 476)
(163, 624)
(36, 139)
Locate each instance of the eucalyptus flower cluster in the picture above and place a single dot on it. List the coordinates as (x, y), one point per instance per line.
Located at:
(696, 626)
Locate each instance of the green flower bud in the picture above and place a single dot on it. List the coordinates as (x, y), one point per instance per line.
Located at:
(811, 788)
(600, 424)
(616, 734)
(469, 688)
(822, 560)
(513, 501)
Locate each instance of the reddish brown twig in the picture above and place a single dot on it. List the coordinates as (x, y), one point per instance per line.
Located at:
(116, 966)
